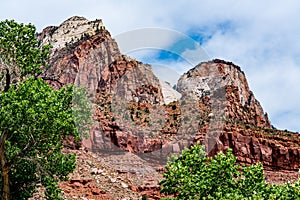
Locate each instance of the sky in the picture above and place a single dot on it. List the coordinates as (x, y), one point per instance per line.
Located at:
(263, 37)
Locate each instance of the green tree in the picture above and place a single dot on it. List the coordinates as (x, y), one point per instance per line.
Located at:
(195, 176)
(20, 54)
(35, 119)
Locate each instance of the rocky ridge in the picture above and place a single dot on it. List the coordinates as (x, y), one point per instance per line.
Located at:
(134, 111)
(70, 31)
(208, 77)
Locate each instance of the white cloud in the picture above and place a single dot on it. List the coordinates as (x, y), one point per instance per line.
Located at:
(146, 38)
(261, 36)
(195, 56)
(267, 49)
(166, 70)
(277, 86)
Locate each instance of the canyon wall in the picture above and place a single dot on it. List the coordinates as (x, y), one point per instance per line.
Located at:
(134, 111)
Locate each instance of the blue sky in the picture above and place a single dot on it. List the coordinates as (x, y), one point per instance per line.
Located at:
(260, 36)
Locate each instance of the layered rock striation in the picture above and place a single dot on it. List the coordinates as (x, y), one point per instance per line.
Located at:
(85, 54)
(137, 112)
(238, 120)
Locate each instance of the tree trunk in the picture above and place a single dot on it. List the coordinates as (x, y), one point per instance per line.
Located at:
(7, 77)
(4, 168)
(6, 186)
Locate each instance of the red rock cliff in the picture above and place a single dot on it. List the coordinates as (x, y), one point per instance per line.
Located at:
(217, 106)
(238, 120)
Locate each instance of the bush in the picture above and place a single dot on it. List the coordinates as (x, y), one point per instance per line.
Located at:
(195, 176)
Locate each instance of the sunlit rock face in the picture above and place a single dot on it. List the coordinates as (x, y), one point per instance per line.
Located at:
(135, 111)
(208, 77)
(84, 53)
(70, 31)
(169, 93)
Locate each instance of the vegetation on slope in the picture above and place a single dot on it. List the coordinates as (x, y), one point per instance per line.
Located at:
(193, 175)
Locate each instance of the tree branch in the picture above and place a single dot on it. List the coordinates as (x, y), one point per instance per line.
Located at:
(3, 139)
(7, 76)
(23, 151)
(53, 80)
(7, 80)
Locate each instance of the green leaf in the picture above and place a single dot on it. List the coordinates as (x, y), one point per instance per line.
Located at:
(194, 176)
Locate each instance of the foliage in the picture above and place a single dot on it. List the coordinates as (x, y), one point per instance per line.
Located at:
(35, 119)
(195, 176)
(20, 53)
(81, 110)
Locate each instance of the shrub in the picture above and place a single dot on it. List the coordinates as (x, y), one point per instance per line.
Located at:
(193, 175)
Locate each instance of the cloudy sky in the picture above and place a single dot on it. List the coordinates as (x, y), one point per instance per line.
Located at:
(263, 37)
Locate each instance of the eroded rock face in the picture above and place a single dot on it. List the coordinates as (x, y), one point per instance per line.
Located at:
(83, 59)
(169, 93)
(85, 54)
(273, 148)
(70, 31)
(130, 111)
(126, 90)
(208, 77)
(238, 120)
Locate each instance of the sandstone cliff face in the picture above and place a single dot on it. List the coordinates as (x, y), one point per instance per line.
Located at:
(70, 31)
(241, 123)
(79, 53)
(273, 148)
(208, 77)
(134, 111)
(169, 93)
(85, 54)
(127, 92)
